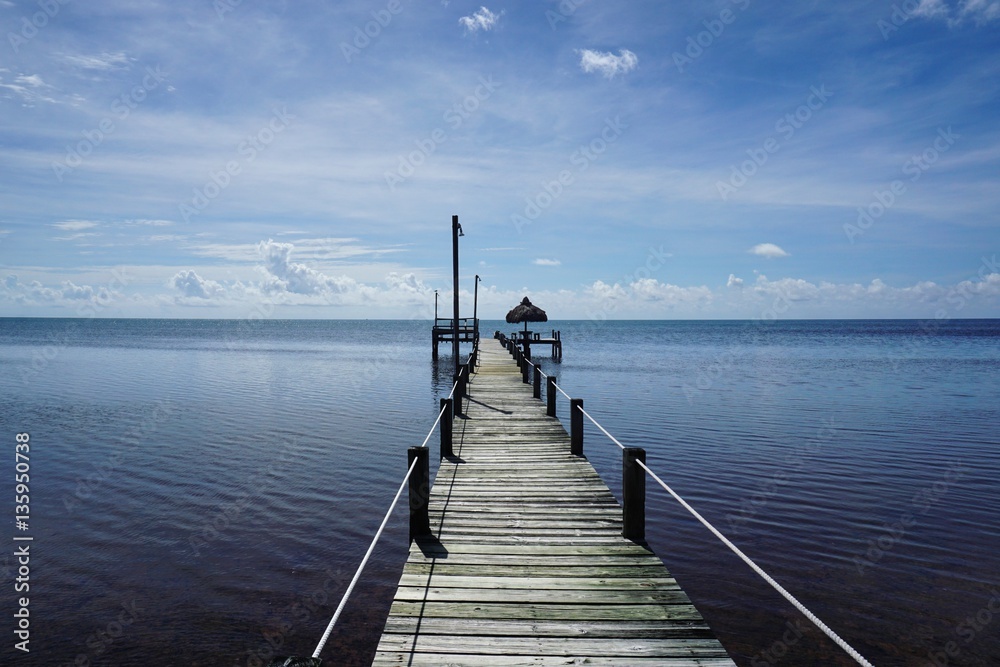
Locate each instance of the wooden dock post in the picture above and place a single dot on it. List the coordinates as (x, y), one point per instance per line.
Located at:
(420, 488)
(447, 405)
(576, 426)
(550, 396)
(536, 389)
(459, 390)
(633, 494)
(525, 371)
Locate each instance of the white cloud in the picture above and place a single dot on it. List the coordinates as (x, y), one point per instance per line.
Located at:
(768, 250)
(651, 289)
(734, 281)
(28, 87)
(546, 262)
(980, 12)
(74, 225)
(104, 61)
(190, 284)
(149, 223)
(608, 64)
(482, 19)
(284, 275)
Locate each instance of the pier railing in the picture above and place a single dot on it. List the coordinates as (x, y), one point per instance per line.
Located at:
(417, 478)
(634, 471)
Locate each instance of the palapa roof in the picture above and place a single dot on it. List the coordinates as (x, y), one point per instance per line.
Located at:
(526, 312)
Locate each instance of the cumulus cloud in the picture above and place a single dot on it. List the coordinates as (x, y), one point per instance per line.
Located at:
(651, 289)
(408, 282)
(768, 250)
(482, 19)
(734, 281)
(190, 284)
(605, 292)
(608, 64)
(546, 262)
(284, 275)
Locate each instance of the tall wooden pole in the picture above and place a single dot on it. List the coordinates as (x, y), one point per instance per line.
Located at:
(455, 227)
(475, 311)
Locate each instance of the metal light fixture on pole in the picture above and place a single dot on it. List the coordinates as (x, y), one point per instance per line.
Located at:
(456, 231)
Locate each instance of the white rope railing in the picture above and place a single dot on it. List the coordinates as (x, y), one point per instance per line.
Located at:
(850, 650)
(364, 561)
(603, 430)
(378, 533)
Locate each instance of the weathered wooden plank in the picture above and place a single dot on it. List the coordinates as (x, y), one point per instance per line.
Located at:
(550, 612)
(651, 569)
(535, 646)
(526, 564)
(591, 629)
(538, 583)
(387, 659)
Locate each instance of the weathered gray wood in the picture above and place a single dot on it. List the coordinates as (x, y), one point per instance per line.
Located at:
(524, 562)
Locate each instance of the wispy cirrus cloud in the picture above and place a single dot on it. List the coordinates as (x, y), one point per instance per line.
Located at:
(75, 225)
(102, 61)
(546, 262)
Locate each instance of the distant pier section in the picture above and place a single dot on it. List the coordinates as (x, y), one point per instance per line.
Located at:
(444, 331)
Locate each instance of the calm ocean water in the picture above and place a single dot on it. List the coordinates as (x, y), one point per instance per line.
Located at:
(201, 491)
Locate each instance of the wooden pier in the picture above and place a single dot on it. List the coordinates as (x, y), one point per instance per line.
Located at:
(443, 331)
(524, 562)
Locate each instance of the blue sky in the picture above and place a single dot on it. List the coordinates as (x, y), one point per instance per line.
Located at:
(732, 159)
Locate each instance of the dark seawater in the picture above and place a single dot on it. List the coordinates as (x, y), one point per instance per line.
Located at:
(202, 491)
